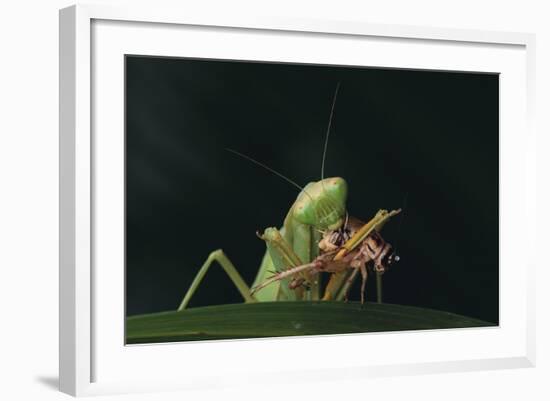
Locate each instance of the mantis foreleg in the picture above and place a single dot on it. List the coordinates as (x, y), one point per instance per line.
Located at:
(305, 244)
(228, 267)
(282, 257)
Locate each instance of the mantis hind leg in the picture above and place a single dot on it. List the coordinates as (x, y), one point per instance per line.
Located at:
(228, 267)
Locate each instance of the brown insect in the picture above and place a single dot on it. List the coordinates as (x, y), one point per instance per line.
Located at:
(352, 246)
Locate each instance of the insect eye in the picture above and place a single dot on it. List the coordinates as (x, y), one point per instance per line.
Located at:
(392, 258)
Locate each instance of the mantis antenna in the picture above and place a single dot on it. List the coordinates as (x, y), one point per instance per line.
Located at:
(328, 130)
(324, 151)
(270, 170)
(326, 141)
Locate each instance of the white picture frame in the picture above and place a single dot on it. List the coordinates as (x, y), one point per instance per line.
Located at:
(83, 344)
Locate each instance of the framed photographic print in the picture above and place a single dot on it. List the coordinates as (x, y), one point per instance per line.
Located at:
(242, 187)
(404, 138)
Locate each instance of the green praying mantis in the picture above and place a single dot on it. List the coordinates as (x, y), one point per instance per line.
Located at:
(318, 236)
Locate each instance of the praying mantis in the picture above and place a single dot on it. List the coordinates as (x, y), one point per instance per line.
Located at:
(317, 236)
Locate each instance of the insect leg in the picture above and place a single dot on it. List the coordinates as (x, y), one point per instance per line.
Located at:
(376, 223)
(334, 285)
(337, 280)
(282, 256)
(305, 242)
(347, 286)
(228, 267)
(287, 273)
(363, 282)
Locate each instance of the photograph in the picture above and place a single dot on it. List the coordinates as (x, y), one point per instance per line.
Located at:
(274, 199)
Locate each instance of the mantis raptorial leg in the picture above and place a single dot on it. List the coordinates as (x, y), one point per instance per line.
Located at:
(282, 256)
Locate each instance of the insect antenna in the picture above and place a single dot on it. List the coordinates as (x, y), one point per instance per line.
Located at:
(270, 170)
(328, 130)
(331, 203)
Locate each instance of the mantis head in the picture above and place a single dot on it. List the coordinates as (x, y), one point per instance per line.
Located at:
(322, 204)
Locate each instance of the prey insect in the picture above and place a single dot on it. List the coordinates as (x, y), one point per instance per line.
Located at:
(317, 236)
(351, 246)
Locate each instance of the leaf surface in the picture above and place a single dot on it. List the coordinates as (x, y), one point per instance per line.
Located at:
(276, 319)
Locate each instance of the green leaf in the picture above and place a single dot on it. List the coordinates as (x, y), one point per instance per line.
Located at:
(275, 319)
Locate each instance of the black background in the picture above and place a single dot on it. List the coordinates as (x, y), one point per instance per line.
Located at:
(421, 139)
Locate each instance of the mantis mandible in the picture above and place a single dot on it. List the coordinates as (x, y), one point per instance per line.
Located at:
(317, 235)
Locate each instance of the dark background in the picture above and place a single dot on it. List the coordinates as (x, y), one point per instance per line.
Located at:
(421, 139)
